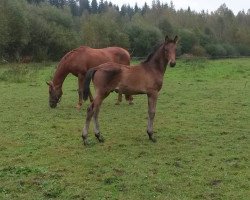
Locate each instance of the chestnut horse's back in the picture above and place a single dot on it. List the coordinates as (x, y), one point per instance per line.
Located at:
(119, 55)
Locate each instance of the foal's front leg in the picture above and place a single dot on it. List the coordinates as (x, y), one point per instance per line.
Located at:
(152, 99)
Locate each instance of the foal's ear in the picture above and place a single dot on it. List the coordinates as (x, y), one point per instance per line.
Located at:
(176, 39)
(48, 83)
(166, 38)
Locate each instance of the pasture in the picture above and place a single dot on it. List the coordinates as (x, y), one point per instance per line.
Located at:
(202, 128)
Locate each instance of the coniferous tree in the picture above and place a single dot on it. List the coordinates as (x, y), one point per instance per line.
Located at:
(73, 7)
(94, 7)
(84, 6)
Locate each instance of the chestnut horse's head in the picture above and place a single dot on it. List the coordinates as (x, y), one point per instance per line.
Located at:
(170, 50)
(54, 94)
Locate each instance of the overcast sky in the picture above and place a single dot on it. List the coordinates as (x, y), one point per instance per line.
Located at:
(197, 5)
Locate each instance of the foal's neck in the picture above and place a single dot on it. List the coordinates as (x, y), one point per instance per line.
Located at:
(158, 62)
(59, 76)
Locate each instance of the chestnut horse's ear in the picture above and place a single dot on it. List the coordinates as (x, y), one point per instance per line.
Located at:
(166, 38)
(47, 83)
(176, 39)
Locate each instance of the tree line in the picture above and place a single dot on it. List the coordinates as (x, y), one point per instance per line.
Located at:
(47, 29)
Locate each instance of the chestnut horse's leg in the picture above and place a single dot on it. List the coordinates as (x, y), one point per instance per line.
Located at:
(129, 98)
(152, 99)
(119, 99)
(81, 79)
(91, 99)
(80, 90)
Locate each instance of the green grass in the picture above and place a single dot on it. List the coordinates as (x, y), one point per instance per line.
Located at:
(202, 126)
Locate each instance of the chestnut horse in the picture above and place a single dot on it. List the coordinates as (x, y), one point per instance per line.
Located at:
(145, 78)
(77, 62)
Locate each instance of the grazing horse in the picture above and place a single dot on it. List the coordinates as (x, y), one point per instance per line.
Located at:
(77, 62)
(145, 78)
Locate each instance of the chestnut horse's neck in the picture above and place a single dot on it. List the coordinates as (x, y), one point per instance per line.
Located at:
(60, 75)
(156, 60)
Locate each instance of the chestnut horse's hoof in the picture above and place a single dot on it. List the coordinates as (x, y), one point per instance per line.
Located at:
(78, 106)
(117, 103)
(131, 103)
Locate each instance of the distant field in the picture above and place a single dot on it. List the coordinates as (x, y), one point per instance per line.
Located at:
(202, 126)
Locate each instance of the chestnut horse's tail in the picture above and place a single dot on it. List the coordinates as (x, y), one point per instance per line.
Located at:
(86, 89)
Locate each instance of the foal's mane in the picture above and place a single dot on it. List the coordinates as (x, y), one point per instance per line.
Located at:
(155, 48)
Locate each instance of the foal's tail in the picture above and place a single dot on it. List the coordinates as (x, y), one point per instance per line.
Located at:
(86, 90)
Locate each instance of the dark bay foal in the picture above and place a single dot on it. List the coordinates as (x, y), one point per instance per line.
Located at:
(145, 78)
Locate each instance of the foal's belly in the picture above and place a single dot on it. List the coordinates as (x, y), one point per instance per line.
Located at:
(128, 89)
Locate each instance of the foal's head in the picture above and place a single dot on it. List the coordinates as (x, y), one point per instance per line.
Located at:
(170, 50)
(54, 94)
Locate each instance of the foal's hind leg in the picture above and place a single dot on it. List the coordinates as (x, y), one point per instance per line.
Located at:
(96, 122)
(90, 112)
(93, 110)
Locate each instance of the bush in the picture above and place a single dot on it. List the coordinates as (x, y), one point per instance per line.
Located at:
(50, 39)
(216, 50)
(14, 26)
(102, 30)
(243, 49)
(187, 40)
(143, 38)
(230, 50)
(198, 51)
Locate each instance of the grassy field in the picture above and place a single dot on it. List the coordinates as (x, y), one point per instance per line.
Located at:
(202, 126)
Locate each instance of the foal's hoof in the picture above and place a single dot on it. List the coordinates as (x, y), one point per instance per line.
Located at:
(117, 103)
(153, 139)
(131, 103)
(100, 138)
(86, 142)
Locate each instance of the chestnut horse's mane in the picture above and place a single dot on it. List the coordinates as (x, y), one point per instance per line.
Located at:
(69, 54)
(73, 51)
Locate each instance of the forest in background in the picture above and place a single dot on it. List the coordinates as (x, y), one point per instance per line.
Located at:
(41, 30)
